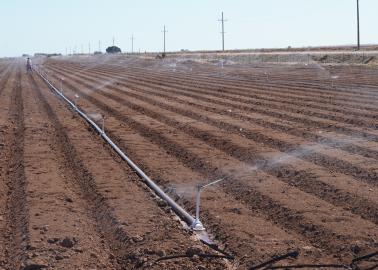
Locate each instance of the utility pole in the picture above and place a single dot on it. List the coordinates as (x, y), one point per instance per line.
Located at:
(89, 48)
(99, 45)
(164, 31)
(113, 41)
(223, 21)
(82, 49)
(358, 25)
(132, 44)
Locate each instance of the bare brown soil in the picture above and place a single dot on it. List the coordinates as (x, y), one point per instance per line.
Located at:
(297, 145)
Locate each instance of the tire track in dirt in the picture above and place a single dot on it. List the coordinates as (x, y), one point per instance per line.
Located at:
(288, 218)
(17, 233)
(6, 134)
(5, 79)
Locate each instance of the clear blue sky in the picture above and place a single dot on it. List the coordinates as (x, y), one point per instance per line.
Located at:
(28, 26)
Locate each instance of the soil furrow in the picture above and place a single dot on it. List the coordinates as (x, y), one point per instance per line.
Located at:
(272, 210)
(120, 241)
(225, 85)
(154, 79)
(289, 129)
(62, 235)
(312, 156)
(272, 98)
(278, 86)
(4, 81)
(95, 203)
(296, 117)
(16, 215)
(305, 181)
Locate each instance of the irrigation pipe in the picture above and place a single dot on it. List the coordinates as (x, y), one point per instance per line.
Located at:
(291, 254)
(175, 207)
(269, 264)
(201, 255)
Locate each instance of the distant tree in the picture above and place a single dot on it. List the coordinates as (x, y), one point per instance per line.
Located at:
(113, 49)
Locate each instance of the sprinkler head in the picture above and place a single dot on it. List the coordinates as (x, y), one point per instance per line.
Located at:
(197, 225)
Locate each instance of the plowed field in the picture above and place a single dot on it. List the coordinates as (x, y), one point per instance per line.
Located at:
(297, 146)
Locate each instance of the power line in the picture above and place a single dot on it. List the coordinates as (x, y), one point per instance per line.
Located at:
(223, 21)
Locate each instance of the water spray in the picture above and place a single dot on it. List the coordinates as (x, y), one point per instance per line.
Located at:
(197, 224)
(333, 80)
(103, 124)
(76, 99)
(98, 117)
(61, 84)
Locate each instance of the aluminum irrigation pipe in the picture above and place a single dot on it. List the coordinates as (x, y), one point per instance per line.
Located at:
(176, 208)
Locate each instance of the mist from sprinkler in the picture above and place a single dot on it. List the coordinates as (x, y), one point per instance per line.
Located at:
(188, 190)
(197, 225)
(76, 99)
(98, 117)
(90, 66)
(333, 78)
(325, 72)
(266, 76)
(61, 85)
(173, 66)
(105, 84)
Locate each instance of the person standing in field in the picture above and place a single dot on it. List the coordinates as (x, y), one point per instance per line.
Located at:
(28, 65)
